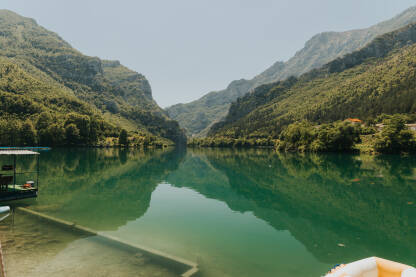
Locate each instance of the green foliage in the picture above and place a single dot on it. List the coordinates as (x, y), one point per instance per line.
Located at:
(230, 142)
(54, 135)
(72, 134)
(334, 137)
(297, 137)
(28, 134)
(198, 116)
(395, 137)
(123, 138)
(41, 73)
(379, 79)
(386, 118)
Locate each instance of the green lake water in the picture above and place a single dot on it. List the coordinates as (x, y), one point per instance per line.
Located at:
(234, 212)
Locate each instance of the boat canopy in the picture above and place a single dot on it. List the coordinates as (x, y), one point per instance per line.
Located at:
(18, 152)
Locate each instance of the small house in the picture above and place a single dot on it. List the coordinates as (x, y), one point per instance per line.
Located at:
(354, 120)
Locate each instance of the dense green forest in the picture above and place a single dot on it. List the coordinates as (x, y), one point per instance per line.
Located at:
(50, 90)
(379, 78)
(53, 95)
(198, 116)
(340, 136)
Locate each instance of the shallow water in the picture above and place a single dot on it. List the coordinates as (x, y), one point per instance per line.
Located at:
(235, 212)
(34, 247)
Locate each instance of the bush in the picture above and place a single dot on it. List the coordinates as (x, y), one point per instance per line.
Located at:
(334, 137)
(395, 137)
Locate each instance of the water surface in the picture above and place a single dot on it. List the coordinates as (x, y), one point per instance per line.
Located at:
(239, 212)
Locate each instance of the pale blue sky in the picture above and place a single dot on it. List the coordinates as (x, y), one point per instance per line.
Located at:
(187, 48)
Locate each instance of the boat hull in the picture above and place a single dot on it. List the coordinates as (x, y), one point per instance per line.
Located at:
(373, 267)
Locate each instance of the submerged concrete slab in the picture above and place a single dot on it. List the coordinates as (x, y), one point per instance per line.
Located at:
(185, 267)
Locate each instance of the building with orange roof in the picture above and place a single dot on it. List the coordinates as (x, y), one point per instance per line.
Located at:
(354, 120)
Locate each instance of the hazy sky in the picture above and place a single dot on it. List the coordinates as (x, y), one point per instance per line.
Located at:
(187, 48)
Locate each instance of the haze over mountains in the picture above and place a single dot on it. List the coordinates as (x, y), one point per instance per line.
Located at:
(43, 70)
(198, 116)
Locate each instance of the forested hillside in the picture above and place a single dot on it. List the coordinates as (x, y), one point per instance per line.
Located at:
(379, 78)
(43, 71)
(196, 117)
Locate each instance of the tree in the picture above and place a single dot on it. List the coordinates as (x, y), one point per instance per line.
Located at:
(56, 135)
(296, 137)
(82, 122)
(334, 137)
(44, 120)
(395, 137)
(123, 138)
(42, 124)
(28, 134)
(339, 136)
(72, 134)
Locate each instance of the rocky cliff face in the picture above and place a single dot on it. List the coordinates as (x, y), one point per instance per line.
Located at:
(131, 82)
(319, 50)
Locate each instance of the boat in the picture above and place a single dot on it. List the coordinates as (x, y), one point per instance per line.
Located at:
(4, 212)
(12, 184)
(373, 267)
(4, 209)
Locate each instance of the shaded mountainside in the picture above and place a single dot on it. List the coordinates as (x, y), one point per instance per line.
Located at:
(379, 78)
(119, 95)
(196, 117)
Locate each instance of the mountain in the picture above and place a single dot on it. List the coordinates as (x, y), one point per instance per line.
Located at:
(379, 78)
(110, 91)
(197, 116)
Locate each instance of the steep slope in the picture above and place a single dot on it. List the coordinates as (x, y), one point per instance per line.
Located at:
(379, 78)
(121, 95)
(196, 116)
(26, 101)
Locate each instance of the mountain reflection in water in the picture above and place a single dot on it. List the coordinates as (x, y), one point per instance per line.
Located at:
(340, 207)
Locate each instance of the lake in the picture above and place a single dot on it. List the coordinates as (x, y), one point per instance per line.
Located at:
(234, 212)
